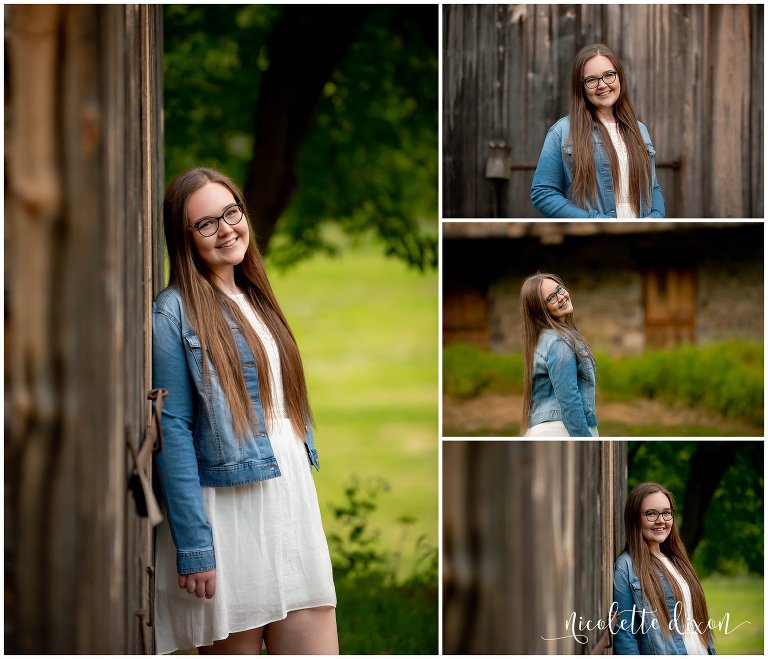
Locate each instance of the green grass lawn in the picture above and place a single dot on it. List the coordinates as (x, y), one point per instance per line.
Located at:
(367, 329)
(742, 598)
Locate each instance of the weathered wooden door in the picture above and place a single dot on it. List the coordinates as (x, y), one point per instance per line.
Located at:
(465, 315)
(82, 264)
(670, 306)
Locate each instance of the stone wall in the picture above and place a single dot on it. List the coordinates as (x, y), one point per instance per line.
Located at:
(730, 296)
(606, 290)
(605, 275)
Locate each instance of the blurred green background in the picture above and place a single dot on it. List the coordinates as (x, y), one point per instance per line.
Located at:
(367, 328)
(326, 117)
(350, 143)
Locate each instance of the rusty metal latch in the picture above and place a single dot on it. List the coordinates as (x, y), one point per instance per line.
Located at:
(139, 482)
(497, 164)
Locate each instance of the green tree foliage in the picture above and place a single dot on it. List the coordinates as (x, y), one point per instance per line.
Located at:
(732, 537)
(733, 529)
(369, 161)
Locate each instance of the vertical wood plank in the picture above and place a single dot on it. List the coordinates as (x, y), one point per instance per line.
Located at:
(83, 178)
(529, 539)
(33, 209)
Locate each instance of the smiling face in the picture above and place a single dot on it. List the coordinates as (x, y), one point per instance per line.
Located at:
(556, 298)
(656, 532)
(604, 96)
(225, 248)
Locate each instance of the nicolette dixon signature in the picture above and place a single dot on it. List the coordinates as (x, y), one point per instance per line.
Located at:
(641, 621)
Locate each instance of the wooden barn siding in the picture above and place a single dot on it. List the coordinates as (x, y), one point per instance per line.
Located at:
(530, 533)
(695, 78)
(83, 168)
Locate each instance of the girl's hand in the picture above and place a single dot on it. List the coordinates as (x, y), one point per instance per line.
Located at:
(202, 584)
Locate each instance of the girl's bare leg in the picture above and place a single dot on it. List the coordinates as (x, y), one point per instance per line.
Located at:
(306, 631)
(247, 642)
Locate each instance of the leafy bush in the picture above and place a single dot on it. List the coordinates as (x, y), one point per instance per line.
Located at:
(726, 377)
(380, 611)
(469, 370)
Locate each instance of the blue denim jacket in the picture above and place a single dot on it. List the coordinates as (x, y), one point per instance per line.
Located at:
(563, 386)
(200, 447)
(554, 173)
(634, 614)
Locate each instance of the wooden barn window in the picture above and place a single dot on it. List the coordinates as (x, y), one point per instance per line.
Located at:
(465, 316)
(670, 306)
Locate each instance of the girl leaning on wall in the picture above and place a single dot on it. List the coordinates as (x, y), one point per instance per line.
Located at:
(661, 604)
(243, 559)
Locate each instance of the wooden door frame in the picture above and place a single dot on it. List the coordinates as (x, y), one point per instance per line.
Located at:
(83, 262)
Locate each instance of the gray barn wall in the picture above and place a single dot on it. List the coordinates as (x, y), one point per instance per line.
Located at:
(695, 77)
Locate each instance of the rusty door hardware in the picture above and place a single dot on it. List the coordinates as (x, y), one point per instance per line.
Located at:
(139, 483)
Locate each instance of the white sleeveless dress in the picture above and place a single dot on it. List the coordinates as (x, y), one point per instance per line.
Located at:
(271, 552)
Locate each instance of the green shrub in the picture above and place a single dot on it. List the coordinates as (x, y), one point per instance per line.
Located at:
(726, 377)
(375, 616)
(469, 370)
(379, 610)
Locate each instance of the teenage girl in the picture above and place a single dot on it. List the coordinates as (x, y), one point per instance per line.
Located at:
(599, 160)
(559, 368)
(243, 560)
(661, 604)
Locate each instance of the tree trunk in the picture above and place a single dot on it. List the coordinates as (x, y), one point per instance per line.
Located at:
(305, 47)
(708, 466)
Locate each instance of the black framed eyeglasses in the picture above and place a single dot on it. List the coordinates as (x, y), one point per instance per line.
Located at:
(609, 77)
(553, 295)
(652, 515)
(208, 226)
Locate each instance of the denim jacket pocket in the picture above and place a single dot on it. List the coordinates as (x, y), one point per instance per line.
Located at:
(193, 343)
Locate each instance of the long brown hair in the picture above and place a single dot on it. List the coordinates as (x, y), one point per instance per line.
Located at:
(208, 308)
(534, 317)
(647, 566)
(582, 117)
